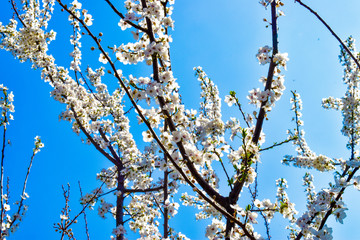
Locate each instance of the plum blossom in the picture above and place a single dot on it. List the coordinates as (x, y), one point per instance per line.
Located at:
(230, 100)
(281, 59)
(263, 55)
(119, 230)
(103, 59)
(88, 19)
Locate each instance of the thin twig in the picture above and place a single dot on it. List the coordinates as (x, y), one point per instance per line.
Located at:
(2, 177)
(278, 144)
(331, 31)
(242, 112)
(23, 195)
(297, 123)
(143, 190)
(17, 14)
(122, 17)
(96, 145)
(223, 167)
(85, 218)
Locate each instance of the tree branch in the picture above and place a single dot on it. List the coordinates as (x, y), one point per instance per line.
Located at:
(96, 145)
(194, 172)
(143, 190)
(331, 31)
(85, 218)
(239, 184)
(122, 17)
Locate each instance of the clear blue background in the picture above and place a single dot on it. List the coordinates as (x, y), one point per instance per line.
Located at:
(223, 38)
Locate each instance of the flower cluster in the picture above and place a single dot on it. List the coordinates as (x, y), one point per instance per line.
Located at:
(310, 221)
(265, 3)
(145, 47)
(305, 158)
(214, 230)
(7, 106)
(263, 55)
(104, 208)
(286, 208)
(349, 105)
(269, 96)
(31, 41)
(38, 144)
(119, 230)
(308, 182)
(90, 199)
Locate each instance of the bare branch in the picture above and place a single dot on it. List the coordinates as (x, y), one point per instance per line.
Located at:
(331, 31)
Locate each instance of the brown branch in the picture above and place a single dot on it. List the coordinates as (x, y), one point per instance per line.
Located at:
(239, 184)
(17, 13)
(143, 190)
(111, 149)
(122, 17)
(166, 209)
(194, 172)
(120, 202)
(338, 197)
(2, 177)
(96, 195)
(224, 169)
(278, 144)
(242, 112)
(331, 31)
(270, 75)
(85, 218)
(166, 194)
(96, 145)
(158, 205)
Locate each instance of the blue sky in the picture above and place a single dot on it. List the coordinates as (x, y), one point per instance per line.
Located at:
(223, 38)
